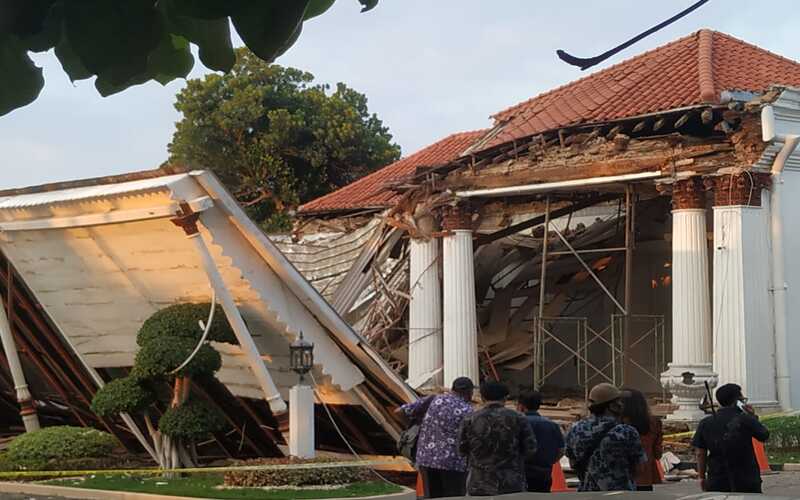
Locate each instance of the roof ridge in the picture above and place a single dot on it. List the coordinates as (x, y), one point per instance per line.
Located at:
(705, 65)
(597, 73)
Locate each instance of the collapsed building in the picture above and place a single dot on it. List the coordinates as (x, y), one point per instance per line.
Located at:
(85, 263)
(633, 226)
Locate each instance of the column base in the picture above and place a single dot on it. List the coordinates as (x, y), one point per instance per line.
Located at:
(688, 396)
(301, 421)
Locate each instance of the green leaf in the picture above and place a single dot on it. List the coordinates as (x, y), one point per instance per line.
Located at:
(206, 9)
(22, 80)
(316, 8)
(212, 36)
(267, 25)
(113, 38)
(368, 4)
(49, 33)
(70, 62)
(23, 17)
(172, 59)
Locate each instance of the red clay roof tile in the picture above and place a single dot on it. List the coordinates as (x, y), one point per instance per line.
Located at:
(689, 71)
(371, 191)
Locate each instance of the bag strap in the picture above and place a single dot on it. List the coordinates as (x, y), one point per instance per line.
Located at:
(582, 465)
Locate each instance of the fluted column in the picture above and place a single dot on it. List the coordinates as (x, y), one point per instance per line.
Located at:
(425, 315)
(27, 409)
(691, 364)
(460, 330)
(744, 347)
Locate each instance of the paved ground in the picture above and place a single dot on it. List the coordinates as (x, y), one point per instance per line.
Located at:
(783, 484)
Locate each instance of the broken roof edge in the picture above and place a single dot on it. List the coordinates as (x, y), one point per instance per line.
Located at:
(299, 285)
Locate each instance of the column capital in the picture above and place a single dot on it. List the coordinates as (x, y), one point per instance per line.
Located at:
(688, 193)
(738, 189)
(457, 217)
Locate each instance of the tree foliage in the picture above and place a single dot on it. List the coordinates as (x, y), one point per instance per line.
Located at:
(167, 339)
(276, 138)
(129, 42)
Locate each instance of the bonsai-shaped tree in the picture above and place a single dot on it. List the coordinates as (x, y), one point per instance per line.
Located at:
(166, 340)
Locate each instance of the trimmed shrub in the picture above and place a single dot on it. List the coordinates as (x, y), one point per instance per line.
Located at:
(124, 395)
(192, 420)
(295, 477)
(784, 432)
(161, 355)
(59, 443)
(181, 320)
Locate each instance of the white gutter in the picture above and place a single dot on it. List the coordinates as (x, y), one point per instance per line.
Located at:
(779, 286)
(553, 186)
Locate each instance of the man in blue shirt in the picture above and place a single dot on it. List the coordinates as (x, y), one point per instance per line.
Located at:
(550, 442)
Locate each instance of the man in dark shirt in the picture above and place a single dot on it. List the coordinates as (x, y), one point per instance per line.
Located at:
(726, 461)
(549, 441)
(496, 442)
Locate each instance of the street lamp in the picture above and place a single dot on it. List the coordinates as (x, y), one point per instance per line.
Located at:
(301, 400)
(301, 356)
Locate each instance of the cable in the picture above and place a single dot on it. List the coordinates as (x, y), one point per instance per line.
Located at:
(206, 329)
(339, 431)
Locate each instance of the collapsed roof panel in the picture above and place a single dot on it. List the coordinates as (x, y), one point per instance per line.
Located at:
(102, 258)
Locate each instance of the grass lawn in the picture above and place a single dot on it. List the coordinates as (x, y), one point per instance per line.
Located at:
(205, 486)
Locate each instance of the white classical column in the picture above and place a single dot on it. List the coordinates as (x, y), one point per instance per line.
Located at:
(744, 347)
(460, 339)
(27, 411)
(691, 364)
(425, 315)
(301, 421)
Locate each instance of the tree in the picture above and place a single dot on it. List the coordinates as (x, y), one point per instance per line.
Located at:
(275, 138)
(166, 341)
(129, 42)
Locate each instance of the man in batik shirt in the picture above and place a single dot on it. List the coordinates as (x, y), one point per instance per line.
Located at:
(602, 450)
(443, 469)
(497, 442)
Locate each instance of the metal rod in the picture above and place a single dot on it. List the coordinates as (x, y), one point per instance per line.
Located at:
(626, 334)
(591, 250)
(543, 288)
(589, 270)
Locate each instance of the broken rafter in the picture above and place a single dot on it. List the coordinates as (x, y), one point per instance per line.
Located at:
(578, 205)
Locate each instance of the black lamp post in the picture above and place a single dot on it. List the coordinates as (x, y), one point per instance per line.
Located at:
(301, 358)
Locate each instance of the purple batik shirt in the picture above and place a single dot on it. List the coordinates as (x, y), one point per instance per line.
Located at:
(437, 445)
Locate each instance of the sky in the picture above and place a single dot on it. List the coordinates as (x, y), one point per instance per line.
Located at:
(428, 67)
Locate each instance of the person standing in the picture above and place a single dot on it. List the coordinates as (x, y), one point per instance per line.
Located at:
(549, 441)
(636, 412)
(723, 441)
(604, 451)
(497, 441)
(442, 468)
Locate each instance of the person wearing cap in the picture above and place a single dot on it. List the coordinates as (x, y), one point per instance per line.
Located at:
(497, 442)
(723, 442)
(604, 451)
(442, 467)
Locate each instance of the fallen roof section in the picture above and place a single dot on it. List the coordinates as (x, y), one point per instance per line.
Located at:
(101, 257)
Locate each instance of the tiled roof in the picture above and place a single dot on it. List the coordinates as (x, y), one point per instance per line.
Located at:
(371, 191)
(689, 71)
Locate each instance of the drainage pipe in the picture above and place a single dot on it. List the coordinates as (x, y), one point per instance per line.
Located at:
(779, 286)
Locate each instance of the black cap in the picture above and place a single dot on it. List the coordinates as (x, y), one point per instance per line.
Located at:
(463, 384)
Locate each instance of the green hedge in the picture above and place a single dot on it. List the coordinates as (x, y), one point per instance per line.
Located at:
(192, 420)
(181, 320)
(124, 395)
(34, 450)
(784, 432)
(295, 477)
(161, 355)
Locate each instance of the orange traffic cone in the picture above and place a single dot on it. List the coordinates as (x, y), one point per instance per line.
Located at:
(420, 486)
(660, 468)
(761, 456)
(559, 482)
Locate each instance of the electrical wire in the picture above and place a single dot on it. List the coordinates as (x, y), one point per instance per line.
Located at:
(339, 430)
